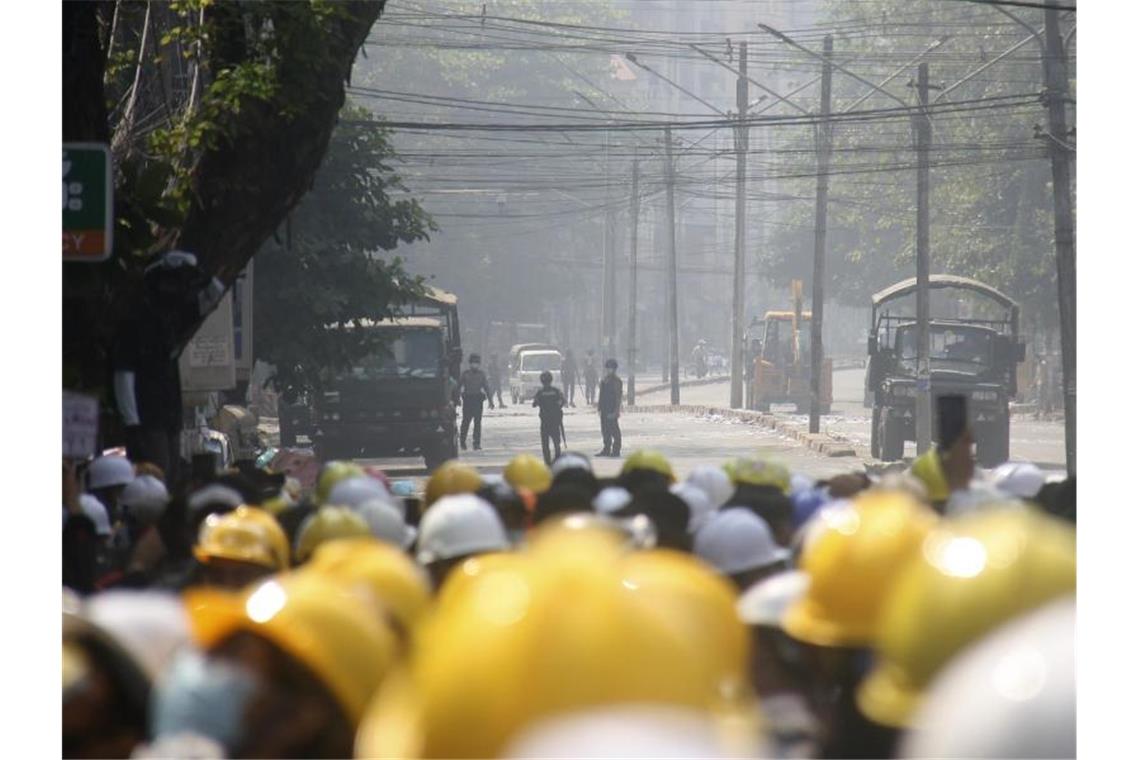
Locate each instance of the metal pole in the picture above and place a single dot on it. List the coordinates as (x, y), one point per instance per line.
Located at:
(923, 404)
(823, 148)
(632, 348)
(609, 269)
(671, 240)
(736, 393)
(1064, 232)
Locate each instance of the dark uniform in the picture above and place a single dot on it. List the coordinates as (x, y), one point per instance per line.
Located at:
(569, 376)
(495, 378)
(609, 408)
(473, 388)
(590, 377)
(550, 401)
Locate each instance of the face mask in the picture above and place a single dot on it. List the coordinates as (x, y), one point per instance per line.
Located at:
(202, 696)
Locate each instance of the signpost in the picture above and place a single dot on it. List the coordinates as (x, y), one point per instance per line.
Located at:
(88, 213)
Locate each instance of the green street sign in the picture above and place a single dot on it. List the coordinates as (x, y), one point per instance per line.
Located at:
(87, 202)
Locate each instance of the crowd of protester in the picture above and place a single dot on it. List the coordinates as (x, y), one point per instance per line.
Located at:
(742, 611)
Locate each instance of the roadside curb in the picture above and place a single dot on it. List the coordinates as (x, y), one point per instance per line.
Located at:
(828, 444)
(682, 384)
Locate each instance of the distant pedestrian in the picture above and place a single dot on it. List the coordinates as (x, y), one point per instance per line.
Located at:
(473, 389)
(550, 402)
(495, 380)
(609, 409)
(569, 376)
(590, 376)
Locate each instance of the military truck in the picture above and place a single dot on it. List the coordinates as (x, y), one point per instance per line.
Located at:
(974, 351)
(398, 400)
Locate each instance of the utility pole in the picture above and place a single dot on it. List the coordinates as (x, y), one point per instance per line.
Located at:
(671, 296)
(923, 405)
(736, 393)
(823, 157)
(609, 268)
(1064, 233)
(632, 348)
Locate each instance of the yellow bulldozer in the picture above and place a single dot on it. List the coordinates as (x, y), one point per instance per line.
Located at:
(780, 360)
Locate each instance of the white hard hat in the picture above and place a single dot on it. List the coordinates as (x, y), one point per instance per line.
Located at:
(94, 509)
(633, 731)
(150, 625)
(458, 525)
(108, 471)
(765, 602)
(700, 508)
(1021, 480)
(714, 481)
(736, 540)
(979, 496)
(569, 462)
(386, 523)
(611, 499)
(145, 498)
(215, 493)
(1012, 694)
(356, 490)
(799, 482)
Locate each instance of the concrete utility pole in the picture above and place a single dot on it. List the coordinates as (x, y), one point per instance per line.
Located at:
(736, 393)
(609, 270)
(823, 157)
(1064, 233)
(923, 404)
(632, 348)
(671, 296)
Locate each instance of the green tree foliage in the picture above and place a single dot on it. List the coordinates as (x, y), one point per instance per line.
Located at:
(325, 269)
(991, 196)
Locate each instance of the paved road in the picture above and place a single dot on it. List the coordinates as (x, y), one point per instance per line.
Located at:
(1031, 440)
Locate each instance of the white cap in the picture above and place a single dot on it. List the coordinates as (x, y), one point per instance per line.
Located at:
(458, 525)
(215, 493)
(799, 482)
(611, 499)
(386, 523)
(150, 625)
(356, 490)
(570, 462)
(736, 540)
(1022, 480)
(145, 498)
(765, 603)
(107, 471)
(1012, 694)
(94, 509)
(700, 508)
(714, 481)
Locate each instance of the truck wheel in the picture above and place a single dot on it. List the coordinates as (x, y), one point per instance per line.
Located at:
(891, 440)
(875, 448)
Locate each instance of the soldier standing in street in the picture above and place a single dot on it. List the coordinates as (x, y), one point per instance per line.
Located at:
(609, 409)
(495, 377)
(569, 376)
(549, 401)
(473, 388)
(590, 375)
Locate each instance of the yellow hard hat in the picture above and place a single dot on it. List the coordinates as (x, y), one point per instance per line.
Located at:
(699, 604)
(973, 574)
(556, 632)
(247, 534)
(647, 459)
(332, 630)
(467, 572)
(928, 469)
(529, 472)
(451, 477)
(326, 524)
(397, 582)
(853, 556)
(332, 473)
(754, 471)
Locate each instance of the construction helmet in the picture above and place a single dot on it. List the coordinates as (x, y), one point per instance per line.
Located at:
(557, 632)
(646, 459)
(451, 477)
(928, 469)
(145, 498)
(852, 557)
(1013, 694)
(715, 483)
(399, 584)
(108, 471)
(759, 472)
(247, 534)
(736, 540)
(386, 523)
(330, 628)
(973, 574)
(356, 490)
(332, 473)
(529, 472)
(459, 525)
(326, 524)
(766, 602)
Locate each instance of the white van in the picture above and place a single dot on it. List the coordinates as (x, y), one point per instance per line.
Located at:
(531, 365)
